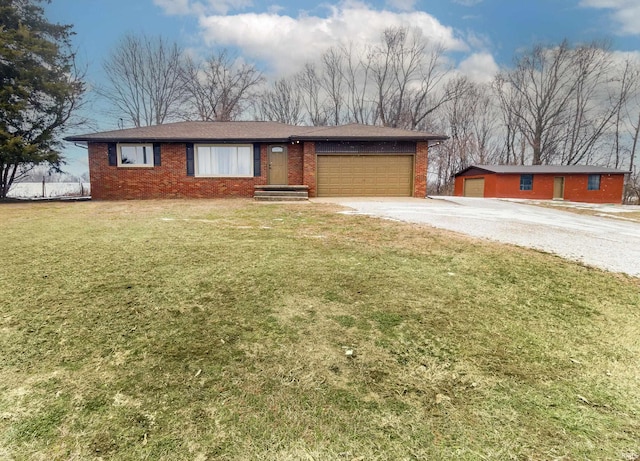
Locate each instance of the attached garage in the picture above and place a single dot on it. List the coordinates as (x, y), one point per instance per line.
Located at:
(365, 169)
(365, 175)
(474, 187)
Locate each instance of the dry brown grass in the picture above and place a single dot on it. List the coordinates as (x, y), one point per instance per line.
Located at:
(219, 330)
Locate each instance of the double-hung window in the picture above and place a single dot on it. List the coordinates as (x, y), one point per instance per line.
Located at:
(230, 160)
(593, 182)
(526, 182)
(135, 155)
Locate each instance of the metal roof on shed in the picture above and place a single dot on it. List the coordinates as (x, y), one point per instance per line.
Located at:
(543, 169)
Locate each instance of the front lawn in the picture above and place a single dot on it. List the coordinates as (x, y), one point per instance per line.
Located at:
(202, 330)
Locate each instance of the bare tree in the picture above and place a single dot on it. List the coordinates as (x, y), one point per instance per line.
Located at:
(627, 112)
(396, 66)
(221, 87)
(542, 83)
(634, 146)
(470, 121)
(311, 94)
(561, 101)
(508, 104)
(282, 103)
(393, 65)
(594, 104)
(627, 130)
(333, 83)
(409, 76)
(432, 91)
(144, 80)
(356, 75)
(484, 124)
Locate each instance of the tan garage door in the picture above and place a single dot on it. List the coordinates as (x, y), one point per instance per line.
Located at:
(364, 175)
(474, 187)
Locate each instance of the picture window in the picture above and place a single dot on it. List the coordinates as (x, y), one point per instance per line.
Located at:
(224, 160)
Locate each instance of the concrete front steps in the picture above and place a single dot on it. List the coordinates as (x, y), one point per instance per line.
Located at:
(269, 193)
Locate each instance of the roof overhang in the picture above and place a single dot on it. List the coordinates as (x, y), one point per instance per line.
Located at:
(369, 138)
(86, 140)
(250, 132)
(541, 169)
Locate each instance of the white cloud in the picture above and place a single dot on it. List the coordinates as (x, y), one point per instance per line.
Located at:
(477, 41)
(625, 12)
(479, 67)
(286, 42)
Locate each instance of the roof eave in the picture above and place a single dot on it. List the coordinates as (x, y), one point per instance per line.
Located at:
(369, 138)
(523, 169)
(561, 172)
(472, 167)
(175, 140)
(251, 140)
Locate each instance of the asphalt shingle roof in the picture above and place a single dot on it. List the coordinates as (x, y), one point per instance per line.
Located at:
(195, 131)
(358, 131)
(252, 131)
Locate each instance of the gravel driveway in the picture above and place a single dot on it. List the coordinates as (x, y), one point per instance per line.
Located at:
(607, 243)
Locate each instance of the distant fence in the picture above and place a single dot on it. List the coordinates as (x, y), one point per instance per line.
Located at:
(49, 189)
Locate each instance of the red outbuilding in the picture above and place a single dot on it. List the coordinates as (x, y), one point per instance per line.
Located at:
(576, 183)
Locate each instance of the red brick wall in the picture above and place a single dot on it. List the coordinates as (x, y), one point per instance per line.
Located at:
(169, 180)
(611, 187)
(458, 185)
(420, 170)
(295, 159)
(508, 185)
(575, 187)
(309, 167)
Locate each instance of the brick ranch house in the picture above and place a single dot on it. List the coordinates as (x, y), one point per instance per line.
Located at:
(235, 159)
(576, 183)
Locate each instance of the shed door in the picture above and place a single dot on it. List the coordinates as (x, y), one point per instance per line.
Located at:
(474, 187)
(365, 175)
(558, 187)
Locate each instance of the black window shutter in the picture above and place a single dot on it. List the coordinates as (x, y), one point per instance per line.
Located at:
(157, 160)
(190, 161)
(256, 160)
(112, 150)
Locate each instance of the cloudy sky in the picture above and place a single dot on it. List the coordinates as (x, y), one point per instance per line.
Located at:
(280, 35)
